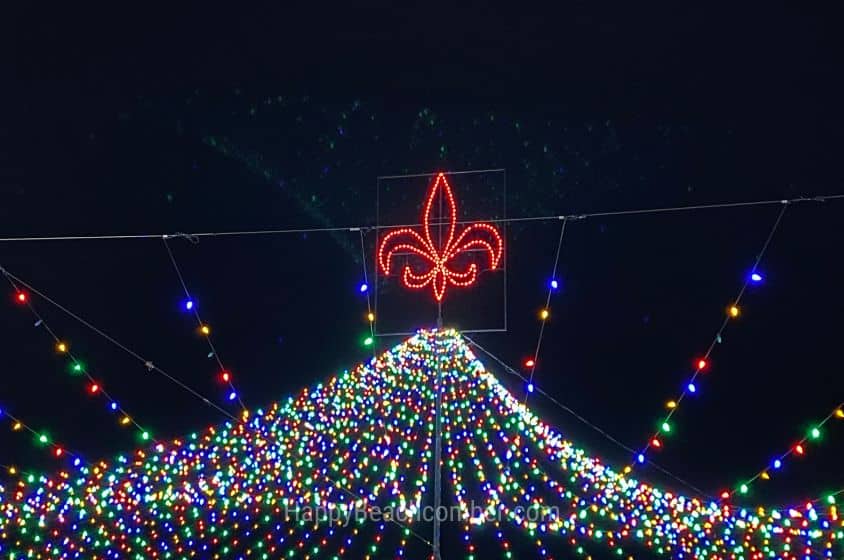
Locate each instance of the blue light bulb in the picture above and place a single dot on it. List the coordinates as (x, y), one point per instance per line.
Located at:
(188, 304)
(232, 396)
(113, 406)
(692, 388)
(530, 387)
(756, 277)
(364, 287)
(554, 284)
(777, 464)
(641, 458)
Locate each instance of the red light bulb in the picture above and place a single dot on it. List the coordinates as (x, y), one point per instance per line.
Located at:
(656, 443)
(59, 451)
(702, 364)
(225, 376)
(725, 495)
(799, 449)
(530, 362)
(94, 388)
(21, 297)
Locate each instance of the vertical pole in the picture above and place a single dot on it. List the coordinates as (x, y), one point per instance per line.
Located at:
(438, 442)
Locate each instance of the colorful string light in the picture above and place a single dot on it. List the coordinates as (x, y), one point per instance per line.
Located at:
(813, 435)
(702, 364)
(41, 438)
(545, 313)
(440, 254)
(363, 439)
(364, 289)
(75, 365)
(204, 328)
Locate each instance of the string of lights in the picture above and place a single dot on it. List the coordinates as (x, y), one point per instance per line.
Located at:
(190, 306)
(545, 313)
(702, 363)
(538, 218)
(148, 364)
(798, 449)
(41, 439)
(363, 288)
(76, 366)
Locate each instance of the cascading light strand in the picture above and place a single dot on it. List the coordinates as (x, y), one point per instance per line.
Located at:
(190, 306)
(702, 363)
(76, 366)
(813, 435)
(364, 289)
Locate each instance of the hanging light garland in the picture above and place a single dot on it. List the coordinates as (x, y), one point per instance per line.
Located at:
(363, 439)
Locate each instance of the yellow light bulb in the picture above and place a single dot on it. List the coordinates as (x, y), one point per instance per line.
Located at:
(765, 475)
(125, 420)
(671, 404)
(734, 311)
(61, 347)
(17, 426)
(628, 469)
(370, 316)
(13, 470)
(205, 329)
(544, 314)
(839, 413)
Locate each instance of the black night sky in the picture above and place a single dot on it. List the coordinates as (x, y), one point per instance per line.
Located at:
(186, 119)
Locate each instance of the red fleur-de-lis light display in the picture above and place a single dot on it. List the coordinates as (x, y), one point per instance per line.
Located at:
(439, 257)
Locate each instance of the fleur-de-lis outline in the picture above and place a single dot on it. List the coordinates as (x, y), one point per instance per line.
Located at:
(478, 235)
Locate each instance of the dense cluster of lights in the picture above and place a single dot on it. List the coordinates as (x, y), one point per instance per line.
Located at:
(75, 366)
(440, 255)
(363, 439)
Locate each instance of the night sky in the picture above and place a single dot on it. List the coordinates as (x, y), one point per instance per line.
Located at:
(185, 120)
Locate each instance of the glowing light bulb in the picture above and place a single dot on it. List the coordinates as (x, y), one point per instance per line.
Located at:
(656, 443)
(368, 341)
(205, 329)
(830, 499)
(702, 364)
(765, 475)
(17, 427)
(725, 495)
(628, 469)
(544, 314)
(94, 388)
(756, 277)
(364, 287)
(77, 368)
(777, 464)
(815, 433)
(77, 462)
(734, 311)
(370, 316)
(145, 436)
(554, 284)
(530, 362)
(43, 438)
(839, 413)
(640, 458)
(21, 297)
(13, 470)
(61, 347)
(666, 427)
(225, 376)
(188, 304)
(671, 404)
(692, 388)
(743, 488)
(113, 406)
(125, 421)
(58, 452)
(799, 449)
(530, 387)
(232, 396)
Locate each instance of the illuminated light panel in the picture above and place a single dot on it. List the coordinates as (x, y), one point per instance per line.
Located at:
(439, 272)
(222, 493)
